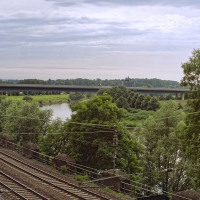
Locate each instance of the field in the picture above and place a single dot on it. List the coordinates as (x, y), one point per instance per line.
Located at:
(45, 99)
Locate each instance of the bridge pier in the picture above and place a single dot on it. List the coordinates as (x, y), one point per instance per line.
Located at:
(183, 96)
(176, 96)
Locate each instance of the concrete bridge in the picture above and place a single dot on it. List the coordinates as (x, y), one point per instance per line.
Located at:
(72, 88)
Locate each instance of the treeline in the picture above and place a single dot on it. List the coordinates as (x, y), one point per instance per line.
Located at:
(137, 82)
(125, 98)
(9, 81)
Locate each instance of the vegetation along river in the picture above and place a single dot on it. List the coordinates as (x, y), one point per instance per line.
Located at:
(62, 111)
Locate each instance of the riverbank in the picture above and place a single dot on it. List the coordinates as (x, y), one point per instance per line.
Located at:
(44, 99)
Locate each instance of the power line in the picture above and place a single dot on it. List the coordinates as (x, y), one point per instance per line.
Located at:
(56, 133)
(91, 124)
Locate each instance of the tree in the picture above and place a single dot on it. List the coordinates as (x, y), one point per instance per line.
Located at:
(138, 103)
(122, 103)
(125, 98)
(26, 121)
(145, 102)
(27, 98)
(74, 97)
(4, 104)
(190, 134)
(159, 137)
(51, 143)
(191, 70)
(153, 104)
(88, 136)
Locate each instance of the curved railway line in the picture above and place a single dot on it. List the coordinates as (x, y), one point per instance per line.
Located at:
(54, 187)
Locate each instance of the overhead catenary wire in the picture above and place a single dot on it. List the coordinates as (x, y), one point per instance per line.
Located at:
(96, 170)
(136, 186)
(98, 125)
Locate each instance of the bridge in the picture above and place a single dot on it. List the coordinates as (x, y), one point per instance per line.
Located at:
(72, 88)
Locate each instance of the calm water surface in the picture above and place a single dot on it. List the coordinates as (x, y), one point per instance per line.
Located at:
(60, 110)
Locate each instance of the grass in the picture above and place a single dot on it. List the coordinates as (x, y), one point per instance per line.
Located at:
(182, 102)
(45, 99)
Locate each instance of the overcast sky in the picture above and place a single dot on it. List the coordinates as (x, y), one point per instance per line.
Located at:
(104, 39)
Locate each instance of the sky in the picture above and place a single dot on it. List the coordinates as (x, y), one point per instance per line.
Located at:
(107, 39)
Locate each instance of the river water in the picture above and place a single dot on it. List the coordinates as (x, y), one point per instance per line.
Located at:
(62, 110)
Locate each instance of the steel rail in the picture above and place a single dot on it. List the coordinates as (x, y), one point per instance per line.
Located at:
(52, 176)
(21, 185)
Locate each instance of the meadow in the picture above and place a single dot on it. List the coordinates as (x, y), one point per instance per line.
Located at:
(44, 99)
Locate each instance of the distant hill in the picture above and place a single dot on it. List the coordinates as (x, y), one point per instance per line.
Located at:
(138, 82)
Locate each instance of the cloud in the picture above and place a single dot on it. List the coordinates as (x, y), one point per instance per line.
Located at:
(97, 36)
(177, 3)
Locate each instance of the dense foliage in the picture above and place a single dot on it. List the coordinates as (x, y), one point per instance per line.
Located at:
(24, 120)
(125, 98)
(158, 134)
(190, 136)
(88, 136)
(165, 138)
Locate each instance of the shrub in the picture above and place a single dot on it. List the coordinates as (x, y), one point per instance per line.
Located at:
(40, 102)
(81, 177)
(63, 169)
(27, 98)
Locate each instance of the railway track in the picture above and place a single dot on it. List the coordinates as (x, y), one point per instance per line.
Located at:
(55, 187)
(19, 190)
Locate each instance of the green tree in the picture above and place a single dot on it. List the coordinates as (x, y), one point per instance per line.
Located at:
(133, 100)
(145, 102)
(158, 135)
(51, 143)
(122, 103)
(190, 134)
(88, 136)
(138, 103)
(4, 104)
(153, 104)
(26, 121)
(27, 98)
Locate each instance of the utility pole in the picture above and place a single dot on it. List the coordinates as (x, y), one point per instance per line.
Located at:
(115, 143)
(166, 171)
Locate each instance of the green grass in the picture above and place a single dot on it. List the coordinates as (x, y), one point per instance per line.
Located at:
(46, 99)
(182, 102)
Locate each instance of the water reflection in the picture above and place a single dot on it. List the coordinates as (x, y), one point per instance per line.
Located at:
(60, 110)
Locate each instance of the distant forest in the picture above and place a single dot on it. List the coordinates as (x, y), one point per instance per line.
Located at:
(138, 82)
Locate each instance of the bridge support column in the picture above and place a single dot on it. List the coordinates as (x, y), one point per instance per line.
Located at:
(183, 96)
(176, 96)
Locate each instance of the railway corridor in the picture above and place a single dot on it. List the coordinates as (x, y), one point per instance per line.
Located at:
(47, 185)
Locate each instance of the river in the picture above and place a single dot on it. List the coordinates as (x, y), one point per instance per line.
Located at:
(62, 110)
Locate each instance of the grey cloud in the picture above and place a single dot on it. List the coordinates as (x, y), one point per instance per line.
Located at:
(28, 29)
(177, 3)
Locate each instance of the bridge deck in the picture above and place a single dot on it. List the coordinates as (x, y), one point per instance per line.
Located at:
(72, 88)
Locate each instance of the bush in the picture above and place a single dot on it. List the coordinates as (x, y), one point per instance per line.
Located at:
(63, 169)
(40, 102)
(81, 177)
(27, 98)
